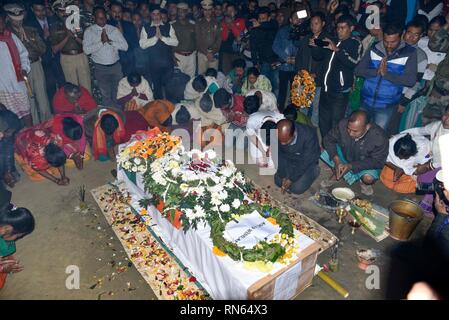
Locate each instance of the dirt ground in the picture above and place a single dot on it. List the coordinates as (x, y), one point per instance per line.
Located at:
(65, 238)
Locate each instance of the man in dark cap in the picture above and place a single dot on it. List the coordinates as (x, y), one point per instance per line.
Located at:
(159, 39)
(69, 44)
(299, 152)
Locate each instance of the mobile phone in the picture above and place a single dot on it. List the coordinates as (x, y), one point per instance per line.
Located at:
(321, 43)
(439, 187)
(302, 14)
(423, 188)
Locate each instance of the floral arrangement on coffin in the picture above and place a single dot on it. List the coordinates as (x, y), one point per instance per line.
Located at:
(303, 89)
(145, 148)
(281, 248)
(193, 185)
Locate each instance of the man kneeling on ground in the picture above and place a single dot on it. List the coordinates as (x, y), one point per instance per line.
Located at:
(356, 149)
(299, 152)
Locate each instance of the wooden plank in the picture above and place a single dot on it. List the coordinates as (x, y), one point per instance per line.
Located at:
(264, 288)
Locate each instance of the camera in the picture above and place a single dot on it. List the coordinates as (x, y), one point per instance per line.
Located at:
(439, 187)
(321, 43)
(300, 30)
(303, 28)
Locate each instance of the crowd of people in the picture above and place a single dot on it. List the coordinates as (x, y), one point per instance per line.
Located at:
(78, 82)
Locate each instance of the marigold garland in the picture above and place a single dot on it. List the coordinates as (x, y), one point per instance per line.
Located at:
(157, 146)
(303, 89)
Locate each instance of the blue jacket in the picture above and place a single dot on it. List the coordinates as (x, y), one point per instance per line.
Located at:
(380, 92)
(284, 48)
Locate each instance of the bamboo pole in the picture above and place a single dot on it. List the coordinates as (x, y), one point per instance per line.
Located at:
(333, 284)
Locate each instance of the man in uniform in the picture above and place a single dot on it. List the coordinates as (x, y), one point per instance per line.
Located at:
(40, 106)
(208, 35)
(74, 61)
(185, 52)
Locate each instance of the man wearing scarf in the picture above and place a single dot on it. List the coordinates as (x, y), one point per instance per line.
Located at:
(14, 64)
(40, 106)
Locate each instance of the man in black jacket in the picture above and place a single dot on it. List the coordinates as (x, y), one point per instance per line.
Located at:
(356, 150)
(339, 76)
(128, 30)
(261, 39)
(299, 152)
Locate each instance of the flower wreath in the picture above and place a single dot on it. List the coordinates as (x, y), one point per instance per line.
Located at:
(280, 249)
(303, 89)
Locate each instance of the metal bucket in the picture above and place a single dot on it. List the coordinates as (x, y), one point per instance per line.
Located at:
(405, 216)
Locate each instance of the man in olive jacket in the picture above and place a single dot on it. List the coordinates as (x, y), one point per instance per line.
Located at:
(357, 150)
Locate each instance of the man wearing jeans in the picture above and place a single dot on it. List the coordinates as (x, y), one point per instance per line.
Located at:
(286, 48)
(387, 67)
(103, 42)
(339, 75)
(299, 152)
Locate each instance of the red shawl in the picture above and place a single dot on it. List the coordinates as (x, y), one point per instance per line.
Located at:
(14, 52)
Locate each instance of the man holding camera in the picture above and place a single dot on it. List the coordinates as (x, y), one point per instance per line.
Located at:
(339, 76)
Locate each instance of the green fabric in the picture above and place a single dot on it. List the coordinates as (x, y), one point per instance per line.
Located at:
(103, 158)
(355, 95)
(7, 248)
(131, 176)
(213, 88)
(350, 176)
(262, 83)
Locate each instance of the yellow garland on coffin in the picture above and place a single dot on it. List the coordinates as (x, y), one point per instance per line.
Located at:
(303, 89)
